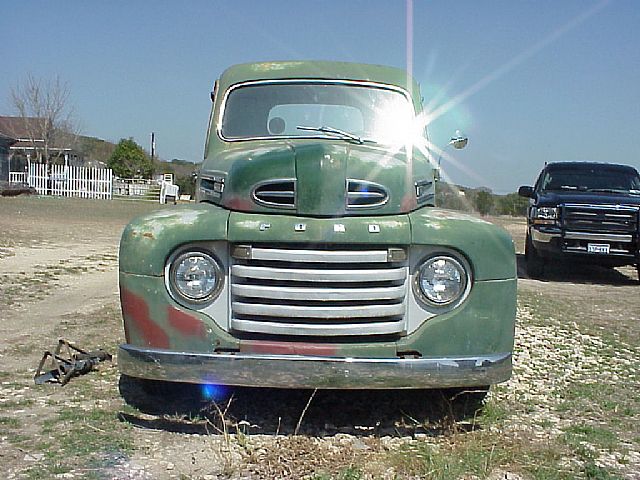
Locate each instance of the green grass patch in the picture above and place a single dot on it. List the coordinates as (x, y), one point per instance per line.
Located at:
(9, 422)
(85, 438)
(463, 455)
(577, 435)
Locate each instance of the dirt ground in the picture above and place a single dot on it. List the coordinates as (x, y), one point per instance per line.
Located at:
(570, 411)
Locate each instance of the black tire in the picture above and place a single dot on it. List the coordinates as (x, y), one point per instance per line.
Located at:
(533, 261)
(638, 269)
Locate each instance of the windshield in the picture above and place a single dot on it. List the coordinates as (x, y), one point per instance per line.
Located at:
(606, 180)
(350, 112)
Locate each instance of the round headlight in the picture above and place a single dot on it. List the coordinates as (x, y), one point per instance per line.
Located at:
(442, 280)
(195, 276)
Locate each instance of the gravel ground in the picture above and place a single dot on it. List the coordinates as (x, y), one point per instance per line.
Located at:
(571, 409)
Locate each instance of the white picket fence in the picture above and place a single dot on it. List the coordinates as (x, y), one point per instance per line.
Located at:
(67, 181)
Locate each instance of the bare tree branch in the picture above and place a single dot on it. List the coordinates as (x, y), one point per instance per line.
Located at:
(48, 118)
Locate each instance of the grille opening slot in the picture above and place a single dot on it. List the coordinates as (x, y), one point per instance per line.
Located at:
(364, 194)
(338, 339)
(276, 193)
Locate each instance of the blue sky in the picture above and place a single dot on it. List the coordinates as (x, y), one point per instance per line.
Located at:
(527, 81)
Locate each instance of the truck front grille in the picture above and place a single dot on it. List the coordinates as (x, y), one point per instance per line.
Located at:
(321, 292)
(612, 224)
(600, 218)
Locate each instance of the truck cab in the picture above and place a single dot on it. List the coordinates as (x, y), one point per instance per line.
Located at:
(314, 256)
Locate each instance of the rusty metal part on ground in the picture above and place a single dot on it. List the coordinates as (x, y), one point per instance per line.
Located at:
(67, 361)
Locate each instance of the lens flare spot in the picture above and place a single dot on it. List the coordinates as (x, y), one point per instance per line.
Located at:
(214, 392)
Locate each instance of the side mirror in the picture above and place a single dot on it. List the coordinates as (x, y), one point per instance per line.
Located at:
(525, 191)
(459, 141)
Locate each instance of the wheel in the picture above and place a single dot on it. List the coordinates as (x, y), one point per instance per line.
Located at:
(638, 269)
(533, 261)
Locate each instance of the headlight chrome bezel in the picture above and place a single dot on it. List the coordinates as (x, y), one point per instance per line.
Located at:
(466, 274)
(544, 215)
(172, 285)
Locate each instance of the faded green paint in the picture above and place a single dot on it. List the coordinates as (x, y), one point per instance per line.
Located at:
(148, 240)
(321, 169)
(489, 248)
(245, 227)
(320, 166)
(248, 165)
(156, 299)
(154, 294)
(482, 325)
(479, 327)
(320, 70)
(321, 172)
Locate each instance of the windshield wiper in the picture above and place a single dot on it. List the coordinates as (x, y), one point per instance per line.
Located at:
(567, 187)
(608, 190)
(335, 131)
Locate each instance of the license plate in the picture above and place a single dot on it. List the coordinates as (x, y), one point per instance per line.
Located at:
(598, 248)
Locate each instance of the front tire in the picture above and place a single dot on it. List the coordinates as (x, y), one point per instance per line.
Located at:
(533, 261)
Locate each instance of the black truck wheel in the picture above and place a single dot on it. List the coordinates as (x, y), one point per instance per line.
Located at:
(533, 261)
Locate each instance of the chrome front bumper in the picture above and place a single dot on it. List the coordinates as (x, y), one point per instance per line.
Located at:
(302, 371)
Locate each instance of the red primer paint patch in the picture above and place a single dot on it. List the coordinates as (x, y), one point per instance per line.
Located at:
(408, 203)
(185, 323)
(136, 312)
(239, 203)
(287, 348)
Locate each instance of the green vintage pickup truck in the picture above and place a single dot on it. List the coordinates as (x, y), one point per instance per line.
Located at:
(314, 256)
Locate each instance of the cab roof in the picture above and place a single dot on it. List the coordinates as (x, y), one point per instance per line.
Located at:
(322, 70)
(601, 166)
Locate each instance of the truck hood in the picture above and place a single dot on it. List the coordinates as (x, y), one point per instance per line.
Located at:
(315, 178)
(556, 198)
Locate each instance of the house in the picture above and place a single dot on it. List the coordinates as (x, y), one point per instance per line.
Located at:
(5, 155)
(35, 140)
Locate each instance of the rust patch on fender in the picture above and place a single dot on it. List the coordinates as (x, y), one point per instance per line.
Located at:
(287, 348)
(148, 235)
(408, 203)
(185, 323)
(238, 203)
(136, 312)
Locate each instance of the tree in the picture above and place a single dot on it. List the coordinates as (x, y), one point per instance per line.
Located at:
(187, 184)
(129, 160)
(512, 204)
(484, 202)
(47, 116)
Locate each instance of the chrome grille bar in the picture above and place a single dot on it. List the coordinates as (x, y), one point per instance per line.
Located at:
(316, 294)
(309, 312)
(324, 256)
(323, 330)
(311, 275)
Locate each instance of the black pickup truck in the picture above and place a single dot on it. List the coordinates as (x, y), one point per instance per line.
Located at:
(582, 211)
